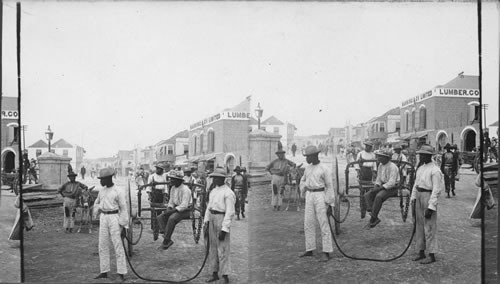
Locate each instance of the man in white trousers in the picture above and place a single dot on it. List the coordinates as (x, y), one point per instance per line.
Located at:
(318, 187)
(218, 218)
(427, 188)
(113, 222)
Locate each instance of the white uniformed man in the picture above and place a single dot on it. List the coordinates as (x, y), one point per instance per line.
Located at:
(218, 218)
(318, 185)
(157, 177)
(112, 207)
(427, 188)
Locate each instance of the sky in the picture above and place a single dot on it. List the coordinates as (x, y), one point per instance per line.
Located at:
(110, 76)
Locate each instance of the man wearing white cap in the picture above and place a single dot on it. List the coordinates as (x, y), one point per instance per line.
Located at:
(278, 169)
(217, 222)
(366, 170)
(113, 222)
(318, 187)
(400, 157)
(385, 186)
(427, 188)
(178, 207)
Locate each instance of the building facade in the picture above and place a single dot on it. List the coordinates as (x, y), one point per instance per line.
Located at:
(385, 128)
(60, 147)
(445, 114)
(173, 149)
(274, 125)
(10, 134)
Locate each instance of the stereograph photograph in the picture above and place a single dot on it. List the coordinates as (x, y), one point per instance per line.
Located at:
(249, 141)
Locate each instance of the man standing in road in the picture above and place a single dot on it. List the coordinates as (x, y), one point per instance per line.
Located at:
(294, 149)
(239, 187)
(278, 169)
(113, 222)
(385, 186)
(400, 157)
(178, 208)
(426, 191)
(70, 192)
(366, 171)
(158, 190)
(318, 187)
(449, 168)
(83, 171)
(217, 223)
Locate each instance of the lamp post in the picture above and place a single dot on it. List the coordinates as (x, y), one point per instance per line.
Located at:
(49, 135)
(258, 113)
(24, 128)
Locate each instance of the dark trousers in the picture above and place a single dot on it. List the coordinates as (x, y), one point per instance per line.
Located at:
(449, 180)
(169, 218)
(239, 206)
(376, 197)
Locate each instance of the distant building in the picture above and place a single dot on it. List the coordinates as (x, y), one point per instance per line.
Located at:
(174, 148)
(274, 125)
(385, 128)
(60, 147)
(447, 113)
(146, 157)
(10, 134)
(337, 137)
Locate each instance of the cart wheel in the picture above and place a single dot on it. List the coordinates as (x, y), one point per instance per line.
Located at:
(362, 203)
(154, 223)
(336, 210)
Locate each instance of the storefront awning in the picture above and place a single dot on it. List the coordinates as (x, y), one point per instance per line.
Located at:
(405, 137)
(208, 157)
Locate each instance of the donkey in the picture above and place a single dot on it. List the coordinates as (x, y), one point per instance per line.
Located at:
(86, 203)
(294, 176)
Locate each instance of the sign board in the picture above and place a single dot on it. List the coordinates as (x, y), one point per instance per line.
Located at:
(225, 115)
(10, 114)
(443, 92)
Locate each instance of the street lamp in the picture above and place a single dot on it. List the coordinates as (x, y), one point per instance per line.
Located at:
(258, 113)
(49, 135)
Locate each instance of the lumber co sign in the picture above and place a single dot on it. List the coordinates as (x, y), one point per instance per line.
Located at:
(10, 114)
(442, 92)
(225, 115)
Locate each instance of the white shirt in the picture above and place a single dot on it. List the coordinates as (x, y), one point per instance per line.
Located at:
(180, 198)
(112, 198)
(429, 177)
(158, 178)
(318, 176)
(368, 156)
(387, 175)
(222, 199)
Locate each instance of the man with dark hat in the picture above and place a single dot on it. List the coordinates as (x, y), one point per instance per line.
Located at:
(318, 187)
(239, 187)
(70, 191)
(178, 207)
(424, 197)
(449, 168)
(217, 223)
(278, 170)
(111, 205)
(366, 170)
(385, 186)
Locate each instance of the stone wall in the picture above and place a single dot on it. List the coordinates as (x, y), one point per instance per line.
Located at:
(53, 170)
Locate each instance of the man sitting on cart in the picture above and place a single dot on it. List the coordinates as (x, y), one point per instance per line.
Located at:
(385, 186)
(178, 208)
(366, 170)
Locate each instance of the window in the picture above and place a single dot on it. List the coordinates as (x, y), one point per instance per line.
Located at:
(65, 153)
(186, 149)
(382, 127)
(195, 150)
(38, 152)
(423, 118)
(201, 142)
(276, 130)
(413, 119)
(398, 126)
(211, 141)
(407, 121)
(170, 149)
(474, 112)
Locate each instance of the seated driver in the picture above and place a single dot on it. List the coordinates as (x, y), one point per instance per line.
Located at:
(178, 207)
(386, 185)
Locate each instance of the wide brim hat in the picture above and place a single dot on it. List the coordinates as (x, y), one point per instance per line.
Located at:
(237, 169)
(219, 172)
(397, 147)
(426, 149)
(448, 146)
(368, 143)
(72, 174)
(280, 152)
(387, 154)
(106, 172)
(311, 150)
(176, 175)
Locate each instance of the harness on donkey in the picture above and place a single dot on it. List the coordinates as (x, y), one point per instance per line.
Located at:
(85, 202)
(294, 176)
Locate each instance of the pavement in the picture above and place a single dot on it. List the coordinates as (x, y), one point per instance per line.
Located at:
(10, 251)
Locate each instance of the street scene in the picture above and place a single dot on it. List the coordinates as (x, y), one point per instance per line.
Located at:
(242, 142)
